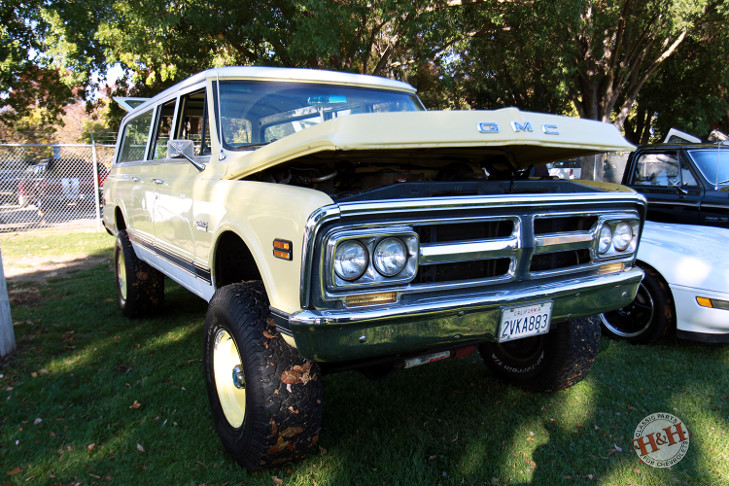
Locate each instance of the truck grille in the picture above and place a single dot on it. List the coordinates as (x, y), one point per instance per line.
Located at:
(465, 244)
(501, 249)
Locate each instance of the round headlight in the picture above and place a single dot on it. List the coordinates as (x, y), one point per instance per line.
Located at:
(350, 260)
(390, 256)
(606, 239)
(623, 236)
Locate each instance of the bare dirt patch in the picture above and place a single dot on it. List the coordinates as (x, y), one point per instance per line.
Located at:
(38, 269)
(24, 296)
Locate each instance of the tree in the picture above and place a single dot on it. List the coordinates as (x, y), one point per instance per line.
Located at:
(596, 54)
(691, 90)
(30, 80)
(161, 41)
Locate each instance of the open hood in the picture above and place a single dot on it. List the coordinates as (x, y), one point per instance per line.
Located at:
(524, 138)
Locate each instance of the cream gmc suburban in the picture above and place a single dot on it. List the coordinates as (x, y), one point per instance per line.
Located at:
(332, 223)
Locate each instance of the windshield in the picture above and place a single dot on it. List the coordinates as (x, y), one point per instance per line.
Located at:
(713, 164)
(255, 113)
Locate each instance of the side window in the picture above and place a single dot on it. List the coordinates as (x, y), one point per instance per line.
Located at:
(687, 176)
(135, 136)
(662, 170)
(193, 124)
(164, 128)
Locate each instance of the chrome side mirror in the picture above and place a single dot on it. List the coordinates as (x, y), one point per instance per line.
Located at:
(179, 149)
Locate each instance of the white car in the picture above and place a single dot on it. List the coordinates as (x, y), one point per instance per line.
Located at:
(686, 286)
(569, 169)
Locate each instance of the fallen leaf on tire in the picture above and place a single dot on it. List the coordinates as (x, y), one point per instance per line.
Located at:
(289, 432)
(297, 374)
(140, 448)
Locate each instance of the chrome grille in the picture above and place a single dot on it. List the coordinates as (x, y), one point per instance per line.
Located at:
(468, 251)
(468, 243)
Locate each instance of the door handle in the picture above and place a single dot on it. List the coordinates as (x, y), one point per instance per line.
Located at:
(159, 182)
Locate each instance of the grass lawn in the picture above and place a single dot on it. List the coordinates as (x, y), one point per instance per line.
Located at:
(91, 397)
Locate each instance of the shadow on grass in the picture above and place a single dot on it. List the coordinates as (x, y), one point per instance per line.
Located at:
(91, 396)
(452, 423)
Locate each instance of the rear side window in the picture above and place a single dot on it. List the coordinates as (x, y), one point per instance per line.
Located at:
(135, 137)
(164, 127)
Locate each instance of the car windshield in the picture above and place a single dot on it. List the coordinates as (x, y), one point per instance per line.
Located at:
(713, 164)
(256, 113)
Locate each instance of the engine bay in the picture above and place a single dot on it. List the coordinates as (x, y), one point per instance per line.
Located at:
(351, 176)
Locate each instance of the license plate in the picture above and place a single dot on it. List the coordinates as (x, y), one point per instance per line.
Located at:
(524, 321)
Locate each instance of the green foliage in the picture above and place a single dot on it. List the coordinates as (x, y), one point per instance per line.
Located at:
(595, 55)
(30, 80)
(593, 59)
(691, 91)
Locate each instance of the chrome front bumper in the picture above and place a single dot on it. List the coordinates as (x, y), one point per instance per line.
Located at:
(428, 322)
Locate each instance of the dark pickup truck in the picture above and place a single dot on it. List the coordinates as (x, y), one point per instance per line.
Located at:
(683, 183)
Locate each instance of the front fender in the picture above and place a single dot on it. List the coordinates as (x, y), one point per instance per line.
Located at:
(259, 213)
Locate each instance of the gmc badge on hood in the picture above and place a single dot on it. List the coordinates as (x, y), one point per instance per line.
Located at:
(491, 127)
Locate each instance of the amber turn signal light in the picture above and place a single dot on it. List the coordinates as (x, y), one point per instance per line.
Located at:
(283, 249)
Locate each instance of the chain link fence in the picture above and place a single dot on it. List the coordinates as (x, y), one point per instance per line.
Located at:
(44, 186)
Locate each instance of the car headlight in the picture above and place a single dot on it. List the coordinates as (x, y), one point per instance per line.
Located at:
(606, 239)
(363, 258)
(350, 260)
(623, 236)
(618, 237)
(390, 256)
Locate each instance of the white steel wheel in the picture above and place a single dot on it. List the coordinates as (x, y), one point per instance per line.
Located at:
(121, 275)
(229, 379)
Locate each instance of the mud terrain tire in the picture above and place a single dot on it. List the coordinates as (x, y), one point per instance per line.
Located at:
(140, 288)
(549, 362)
(265, 398)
